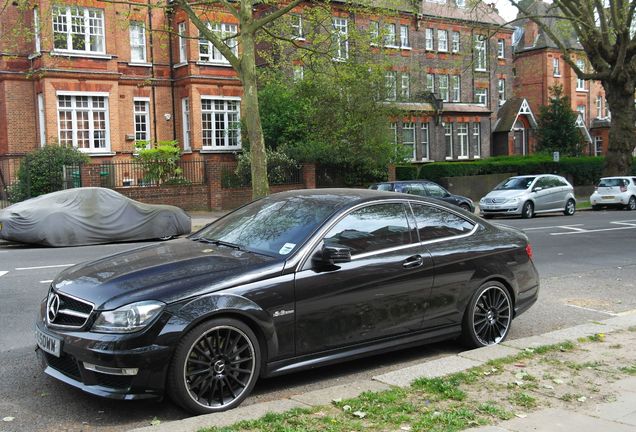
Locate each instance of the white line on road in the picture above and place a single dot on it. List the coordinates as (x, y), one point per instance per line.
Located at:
(44, 267)
(592, 310)
(2, 273)
(553, 227)
(46, 281)
(630, 227)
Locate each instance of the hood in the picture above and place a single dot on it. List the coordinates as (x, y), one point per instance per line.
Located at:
(168, 272)
(506, 193)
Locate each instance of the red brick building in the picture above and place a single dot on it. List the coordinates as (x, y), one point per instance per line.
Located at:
(539, 64)
(101, 76)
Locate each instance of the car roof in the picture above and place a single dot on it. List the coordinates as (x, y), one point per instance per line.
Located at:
(351, 196)
(617, 177)
(404, 181)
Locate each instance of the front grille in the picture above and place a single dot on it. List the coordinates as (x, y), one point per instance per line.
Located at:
(66, 311)
(66, 364)
(114, 381)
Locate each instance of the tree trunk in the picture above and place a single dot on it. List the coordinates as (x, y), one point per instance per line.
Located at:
(252, 118)
(622, 135)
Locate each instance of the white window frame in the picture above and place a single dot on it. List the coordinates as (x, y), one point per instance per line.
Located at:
(501, 90)
(297, 26)
(298, 73)
(409, 126)
(374, 32)
(405, 39)
(481, 96)
(598, 145)
(92, 22)
(142, 114)
(390, 83)
(430, 83)
(137, 32)
(429, 39)
(226, 122)
(393, 131)
(41, 119)
(426, 141)
(481, 61)
(455, 42)
(186, 127)
(501, 48)
(91, 110)
(442, 40)
(462, 137)
(599, 106)
(341, 38)
(405, 87)
(580, 83)
(389, 35)
(581, 109)
(183, 43)
(608, 113)
(476, 140)
(224, 31)
(460, 3)
(36, 30)
(456, 88)
(448, 140)
(556, 67)
(443, 87)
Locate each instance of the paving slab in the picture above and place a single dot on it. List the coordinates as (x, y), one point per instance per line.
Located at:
(489, 353)
(430, 369)
(624, 385)
(530, 342)
(344, 391)
(582, 330)
(623, 407)
(624, 320)
(489, 429)
(226, 418)
(558, 420)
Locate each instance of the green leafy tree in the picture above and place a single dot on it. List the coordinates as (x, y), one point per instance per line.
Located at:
(159, 161)
(42, 171)
(605, 31)
(557, 129)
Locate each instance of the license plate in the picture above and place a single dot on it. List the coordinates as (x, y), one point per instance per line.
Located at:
(48, 343)
(608, 197)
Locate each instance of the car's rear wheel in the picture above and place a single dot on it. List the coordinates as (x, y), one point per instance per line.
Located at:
(527, 211)
(570, 208)
(631, 204)
(215, 366)
(487, 216)
(465, 207)
(488, 316)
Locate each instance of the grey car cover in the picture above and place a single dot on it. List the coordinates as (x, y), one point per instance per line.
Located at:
(90, 215)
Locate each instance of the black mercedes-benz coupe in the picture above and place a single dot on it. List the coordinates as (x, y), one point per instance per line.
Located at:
(295, 280)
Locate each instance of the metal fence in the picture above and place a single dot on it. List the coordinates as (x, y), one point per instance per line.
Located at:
(277, 175)
(135, 173)
(9, 167)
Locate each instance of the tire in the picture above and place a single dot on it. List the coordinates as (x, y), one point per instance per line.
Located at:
(570, 208)
(527, 211)
(215, 366)
(488, 316)
(465, 207)
(631, 204)
(596, 207)
(487, 216)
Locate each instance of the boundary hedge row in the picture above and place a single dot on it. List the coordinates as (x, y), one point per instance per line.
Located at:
(580, 170)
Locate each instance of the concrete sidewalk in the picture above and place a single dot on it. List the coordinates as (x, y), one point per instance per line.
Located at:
(619, 414)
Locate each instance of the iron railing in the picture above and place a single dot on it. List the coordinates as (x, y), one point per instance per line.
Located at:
(134, 173)
(277, 176)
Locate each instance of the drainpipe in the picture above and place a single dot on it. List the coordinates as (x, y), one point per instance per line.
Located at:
(170, 14)
(152, 73)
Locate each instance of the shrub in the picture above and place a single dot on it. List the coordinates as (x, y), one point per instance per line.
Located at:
(41, 172)
(280, 168)
(159, 161)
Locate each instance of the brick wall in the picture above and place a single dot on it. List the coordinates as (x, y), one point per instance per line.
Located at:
(194, 197)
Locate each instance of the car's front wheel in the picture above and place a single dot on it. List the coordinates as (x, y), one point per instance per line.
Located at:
(631, 204)
(215, 366)
(570, 208)
(488, 316)
(527, 211)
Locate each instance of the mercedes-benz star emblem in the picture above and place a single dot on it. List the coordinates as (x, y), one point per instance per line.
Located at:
(53, 307)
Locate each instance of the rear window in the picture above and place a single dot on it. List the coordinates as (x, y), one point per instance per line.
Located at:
(612, 183)
(382, 187)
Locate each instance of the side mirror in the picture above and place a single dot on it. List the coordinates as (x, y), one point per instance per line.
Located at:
(537, 189)
(335, 255)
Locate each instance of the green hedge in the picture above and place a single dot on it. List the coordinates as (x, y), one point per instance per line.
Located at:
(581, 170)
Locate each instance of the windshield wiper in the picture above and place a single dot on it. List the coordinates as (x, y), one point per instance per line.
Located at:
(218, 243)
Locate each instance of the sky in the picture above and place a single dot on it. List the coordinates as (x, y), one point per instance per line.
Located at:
(506, 10)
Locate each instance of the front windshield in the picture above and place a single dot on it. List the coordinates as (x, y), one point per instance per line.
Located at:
(515, 183)
(274, 226)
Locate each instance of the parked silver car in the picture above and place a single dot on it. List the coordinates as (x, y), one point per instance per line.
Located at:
(529, 195)
(615, 191)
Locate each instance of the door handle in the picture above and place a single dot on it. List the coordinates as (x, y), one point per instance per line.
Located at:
(413, 262)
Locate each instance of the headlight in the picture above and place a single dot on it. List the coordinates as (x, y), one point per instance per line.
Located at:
(129, 318)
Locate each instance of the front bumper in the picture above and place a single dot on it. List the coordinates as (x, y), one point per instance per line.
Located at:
(111, 351)
(513, 208)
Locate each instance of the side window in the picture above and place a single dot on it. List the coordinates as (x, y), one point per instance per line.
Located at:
(543, 182)
(371, 228)
(414, 189)
(435, 191)
(436, 223)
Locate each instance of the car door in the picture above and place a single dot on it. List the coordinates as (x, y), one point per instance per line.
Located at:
(381, 292)
(541, 194)
(456, 253)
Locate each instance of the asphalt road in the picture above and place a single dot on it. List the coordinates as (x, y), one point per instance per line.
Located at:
(587, 263)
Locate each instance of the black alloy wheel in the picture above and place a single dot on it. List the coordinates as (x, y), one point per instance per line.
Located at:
(488, 316)
(570, 208)
(215, 366)
(527, 212)
(631, 205)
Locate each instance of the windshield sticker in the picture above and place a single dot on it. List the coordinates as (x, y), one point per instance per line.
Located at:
(287, 248)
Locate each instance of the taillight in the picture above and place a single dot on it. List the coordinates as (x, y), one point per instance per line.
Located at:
(529, 250)
(623, 189)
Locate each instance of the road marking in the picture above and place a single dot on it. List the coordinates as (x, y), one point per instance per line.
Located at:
(621, 228)
(44, 267)
(556, 226)
(2, 273)
(592, 310)
(46, 281)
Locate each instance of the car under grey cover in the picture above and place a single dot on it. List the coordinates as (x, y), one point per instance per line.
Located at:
(89, 215)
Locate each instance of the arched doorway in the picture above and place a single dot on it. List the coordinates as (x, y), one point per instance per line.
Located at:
(520, 137)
